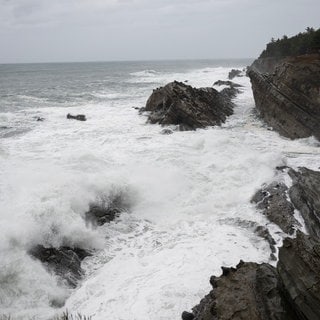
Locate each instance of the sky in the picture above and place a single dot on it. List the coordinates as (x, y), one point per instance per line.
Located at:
(107, 30)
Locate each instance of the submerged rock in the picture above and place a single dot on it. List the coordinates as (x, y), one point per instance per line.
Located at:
(190, 108)
(299, 270)
(305, 195)
(273, 202)
(80, 117)
(249, 291)
(64, 261)
(288, 100)
(107, 209)
(234, 73)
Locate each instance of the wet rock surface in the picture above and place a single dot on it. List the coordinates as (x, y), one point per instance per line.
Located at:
(234, 73)
(299, 270)
(190, 108)
(273, 201)
(288, 99)
(106, 210)
(305, 195)
(64, 261)
(79, 117)
(249, 291)
(261, 291)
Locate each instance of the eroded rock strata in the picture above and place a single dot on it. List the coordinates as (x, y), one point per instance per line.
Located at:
(190, 108)
(249, 291)
(305, 195)
(299, 271)
(289, 99)
(64, 261)
(292, 289)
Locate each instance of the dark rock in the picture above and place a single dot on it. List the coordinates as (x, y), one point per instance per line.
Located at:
(305, 195)
(190, 108)
(187, 316)
(107, 209)
(227, 83)
(299, 270)
(288, 100)
(80, 117)
(166, 131)
(251, 291)
(64, 261)
(234, 73)
(230, 92)
(39, 118)
(272, 200)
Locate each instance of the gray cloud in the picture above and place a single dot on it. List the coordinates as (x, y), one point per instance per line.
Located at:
(73, 30)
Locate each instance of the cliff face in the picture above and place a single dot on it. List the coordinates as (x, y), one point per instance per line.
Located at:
(289, 99)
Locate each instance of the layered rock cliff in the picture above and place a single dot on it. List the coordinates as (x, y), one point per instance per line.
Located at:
(288, 96)
(291, 290)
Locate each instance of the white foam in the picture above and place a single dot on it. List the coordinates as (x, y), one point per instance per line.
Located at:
(156, 260)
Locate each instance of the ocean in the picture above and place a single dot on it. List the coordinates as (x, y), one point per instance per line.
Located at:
(188, 193)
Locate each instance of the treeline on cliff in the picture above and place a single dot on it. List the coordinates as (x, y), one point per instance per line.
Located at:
(302, 43)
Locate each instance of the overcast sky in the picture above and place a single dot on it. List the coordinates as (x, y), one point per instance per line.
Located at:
(101, 30)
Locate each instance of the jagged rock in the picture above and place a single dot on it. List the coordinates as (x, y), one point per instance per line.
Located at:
(251, 291)
(230, 92)
(299, 270)
(289, 100)
(234, 73)
(273, 202)
(64, 261)
(80, 117)
(190, 108)
(305, 195)
(227, 83)
(100, 214)
(106, 209)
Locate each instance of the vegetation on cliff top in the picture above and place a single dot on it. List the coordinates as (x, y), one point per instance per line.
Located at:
(302, 43)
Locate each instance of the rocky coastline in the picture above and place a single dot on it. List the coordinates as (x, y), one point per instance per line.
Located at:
(287, 97)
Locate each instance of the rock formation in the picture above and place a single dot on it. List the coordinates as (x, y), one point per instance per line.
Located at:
(305, 195)
(249, 291)
(273, 202)
(80, 117)
(299, 271)
(64, 261)
(292, 289)
(234, 73)
(190, 108)
(289, 99)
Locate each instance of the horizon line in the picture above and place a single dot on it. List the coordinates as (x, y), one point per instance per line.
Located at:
(134, 60)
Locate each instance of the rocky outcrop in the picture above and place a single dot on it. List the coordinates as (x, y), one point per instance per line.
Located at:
(299, 271)
(106, 210)
(272, 200)
(190, 108)
(234, 73)
(80, 117)
(305, 195)
(289, 99)
(292, 289)
(64, 261)
(231, 90)
(249, 291)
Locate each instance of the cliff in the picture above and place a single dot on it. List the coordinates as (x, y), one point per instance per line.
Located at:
(289, 98)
